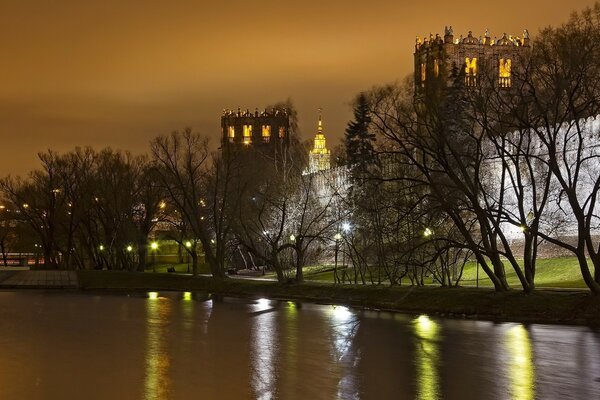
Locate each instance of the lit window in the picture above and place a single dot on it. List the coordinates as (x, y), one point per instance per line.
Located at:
(266, 133)
(231, 133)
(247, 134)
(504, 72)
(471, 71)
(436, 67)
(423, 72)
(281, 132)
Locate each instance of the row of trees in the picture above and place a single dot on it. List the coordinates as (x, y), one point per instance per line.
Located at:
(238, 208)
(429, 183)
(476, 165)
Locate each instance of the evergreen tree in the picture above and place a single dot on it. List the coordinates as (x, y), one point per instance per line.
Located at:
(358, 140)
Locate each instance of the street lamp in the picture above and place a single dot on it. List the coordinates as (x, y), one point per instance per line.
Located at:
(154, 247)
(129, 248)
(337, 238)
(188, 245)
(292, 238)
(346, 227)
(427, 232)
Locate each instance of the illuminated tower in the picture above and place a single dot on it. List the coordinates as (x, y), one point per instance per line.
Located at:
(478, 61)
(319, 156)
(266, 131)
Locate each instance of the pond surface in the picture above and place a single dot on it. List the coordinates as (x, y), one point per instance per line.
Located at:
(190, 346)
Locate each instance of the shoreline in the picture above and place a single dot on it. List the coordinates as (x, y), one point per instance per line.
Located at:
(544, 306)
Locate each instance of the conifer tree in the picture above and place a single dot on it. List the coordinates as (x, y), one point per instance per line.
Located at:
(358, 140)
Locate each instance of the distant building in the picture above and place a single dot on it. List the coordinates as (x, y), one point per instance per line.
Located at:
(479, 61)
(319, 158)
(267, 131)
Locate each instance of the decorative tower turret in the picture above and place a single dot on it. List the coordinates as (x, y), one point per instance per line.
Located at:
(319, 157)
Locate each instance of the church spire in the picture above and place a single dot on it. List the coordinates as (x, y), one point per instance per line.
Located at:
(319, 155)
(320, 124)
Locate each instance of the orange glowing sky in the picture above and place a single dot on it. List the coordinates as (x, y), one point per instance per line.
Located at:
(117, 73)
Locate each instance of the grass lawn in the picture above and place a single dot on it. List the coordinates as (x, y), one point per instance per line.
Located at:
(560, 272)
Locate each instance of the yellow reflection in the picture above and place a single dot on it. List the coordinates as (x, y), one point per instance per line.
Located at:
(157, 383)
(520, 368)
(427, 357)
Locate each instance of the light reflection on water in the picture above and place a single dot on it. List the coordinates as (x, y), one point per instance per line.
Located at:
(158, 380)
(520, 365)
(427, 357)
(263, 347)
(186, 345)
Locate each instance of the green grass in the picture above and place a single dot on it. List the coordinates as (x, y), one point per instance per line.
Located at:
(560, 272)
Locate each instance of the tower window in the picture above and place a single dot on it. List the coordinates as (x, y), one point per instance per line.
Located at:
(504, 73)
(281, 132)
(231, 133)
(423, 72)
(266, 133)
(471, 71)
(247, 134)
(436, 67)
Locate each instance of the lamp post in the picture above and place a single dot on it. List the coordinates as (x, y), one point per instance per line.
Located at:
(154, 247)
(337, 238)
(188, 245)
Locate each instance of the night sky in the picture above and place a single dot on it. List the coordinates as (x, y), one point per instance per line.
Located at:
(118, 73)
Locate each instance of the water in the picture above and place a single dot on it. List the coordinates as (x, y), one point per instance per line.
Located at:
(187, 346)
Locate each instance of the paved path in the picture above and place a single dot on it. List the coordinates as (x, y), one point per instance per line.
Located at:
(39, 279)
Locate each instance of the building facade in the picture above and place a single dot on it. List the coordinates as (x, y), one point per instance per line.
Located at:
(476, 61)
(319, 158)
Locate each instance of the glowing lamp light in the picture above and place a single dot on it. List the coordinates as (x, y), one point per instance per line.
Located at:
(130, 248)
(292, 238)
(188, 244)
(346, 227)
(154, 245)
(101, 247)
(153, 295)
(427, 232)
(337, 236)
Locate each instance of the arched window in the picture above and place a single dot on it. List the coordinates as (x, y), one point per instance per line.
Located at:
(266, 133)
(247, 134)
(471, 71)
(504, 72)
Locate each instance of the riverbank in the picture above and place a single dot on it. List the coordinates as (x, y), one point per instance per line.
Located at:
(544, 306)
